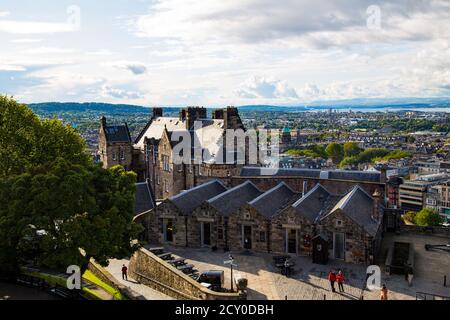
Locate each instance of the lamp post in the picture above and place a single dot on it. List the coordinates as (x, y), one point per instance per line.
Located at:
(232, 264)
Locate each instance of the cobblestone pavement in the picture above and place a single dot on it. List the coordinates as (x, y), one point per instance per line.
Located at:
(115, 268)
(309, 281)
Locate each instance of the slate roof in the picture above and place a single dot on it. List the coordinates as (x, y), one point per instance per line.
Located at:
(271, 201)
(208, 136)
(117, 133)
(187, 201)
(358, 206)
(351, 175)
(231, 200)
(314, 203)
(143, 200)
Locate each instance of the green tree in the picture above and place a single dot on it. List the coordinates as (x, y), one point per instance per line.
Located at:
(351, 149)
(335, 151)
(57, 200)
(428, 217)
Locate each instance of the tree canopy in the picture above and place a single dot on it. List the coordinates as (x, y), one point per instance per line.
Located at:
(335, 151)
(427, 218)
(55, 200)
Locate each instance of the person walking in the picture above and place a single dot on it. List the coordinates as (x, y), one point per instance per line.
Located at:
(332, 279)
(384, 292)
(287, 268)
(340, 280)
(124, 273)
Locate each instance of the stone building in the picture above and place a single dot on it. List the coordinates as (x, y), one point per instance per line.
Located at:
(278, 220)
(151, 154)
(115, 146)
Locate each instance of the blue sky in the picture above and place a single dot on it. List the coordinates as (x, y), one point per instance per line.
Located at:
(191, 52)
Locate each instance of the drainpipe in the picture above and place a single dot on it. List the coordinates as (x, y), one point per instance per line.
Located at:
(186, 227)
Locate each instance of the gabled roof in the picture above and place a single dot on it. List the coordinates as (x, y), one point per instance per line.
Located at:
(208, 136)
(143, 199)
(271, 201)
(187, 201)
(229, 201)
(358, 206)
(117, 133)
(155, 128)
(313, 204)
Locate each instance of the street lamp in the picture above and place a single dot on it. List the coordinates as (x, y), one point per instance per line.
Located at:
(232, 264)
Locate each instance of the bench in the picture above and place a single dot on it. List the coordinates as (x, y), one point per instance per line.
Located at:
(157, 250)
(186, 268)
(165, 256)
(177, 262)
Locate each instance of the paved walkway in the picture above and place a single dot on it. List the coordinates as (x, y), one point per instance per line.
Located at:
(309, 281)
(115, 268)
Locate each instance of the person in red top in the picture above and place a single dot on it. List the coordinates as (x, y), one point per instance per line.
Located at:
(124, 272)
(340, 280)
(332, 279)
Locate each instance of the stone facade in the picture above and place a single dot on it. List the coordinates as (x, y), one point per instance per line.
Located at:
(151, 154)
(351, 222)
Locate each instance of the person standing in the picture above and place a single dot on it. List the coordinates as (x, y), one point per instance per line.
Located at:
(384, 292)
(340, 280)
(332, 279)
(287, 268)
(124, 273)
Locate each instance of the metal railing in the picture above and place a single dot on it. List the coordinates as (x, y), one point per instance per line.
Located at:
(430, 296)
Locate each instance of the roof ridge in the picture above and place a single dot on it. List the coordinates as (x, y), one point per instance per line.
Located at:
(232, 189)
(196, 188)
(282, 183)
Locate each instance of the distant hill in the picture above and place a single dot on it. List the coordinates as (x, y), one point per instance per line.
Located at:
(357, 104)
(84, 107)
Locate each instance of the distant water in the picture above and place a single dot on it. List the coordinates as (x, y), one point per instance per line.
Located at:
(355, 108)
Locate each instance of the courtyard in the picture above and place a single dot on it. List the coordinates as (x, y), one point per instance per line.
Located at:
(309, 281)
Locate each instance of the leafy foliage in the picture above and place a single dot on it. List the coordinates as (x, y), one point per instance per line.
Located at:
(55, 200)
(427, 218)
(335, 151)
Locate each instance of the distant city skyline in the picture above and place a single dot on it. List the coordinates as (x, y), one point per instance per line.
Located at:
(189, 52)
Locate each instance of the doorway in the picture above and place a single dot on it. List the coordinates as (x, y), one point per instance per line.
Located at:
(206, 233)
(168, 230)
(291, 241)
(339, 245)
(247, 236)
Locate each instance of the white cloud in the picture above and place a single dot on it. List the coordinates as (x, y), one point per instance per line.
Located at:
(34, 27)
(6, 67)
(4, 14)
(26, 40)
(266, 88)
(136, 68)
(108, 91)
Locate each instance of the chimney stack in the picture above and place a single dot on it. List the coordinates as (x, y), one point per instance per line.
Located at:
(157, 112)
(103, 121)
(376, 205)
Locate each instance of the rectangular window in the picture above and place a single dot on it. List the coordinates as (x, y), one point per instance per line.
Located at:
(166, 165)
(262, 236)
(114, 156)
(122, 155)
(220, 233)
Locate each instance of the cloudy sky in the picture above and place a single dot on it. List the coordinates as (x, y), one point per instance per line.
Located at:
(215, 52)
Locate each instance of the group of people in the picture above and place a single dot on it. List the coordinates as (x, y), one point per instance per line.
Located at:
(339, 278)
(334, 277)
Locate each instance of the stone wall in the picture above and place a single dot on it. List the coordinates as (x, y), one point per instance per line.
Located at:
(288, 219)
(154, 272)
(109, 279)
(438, 231)
(359, 246)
